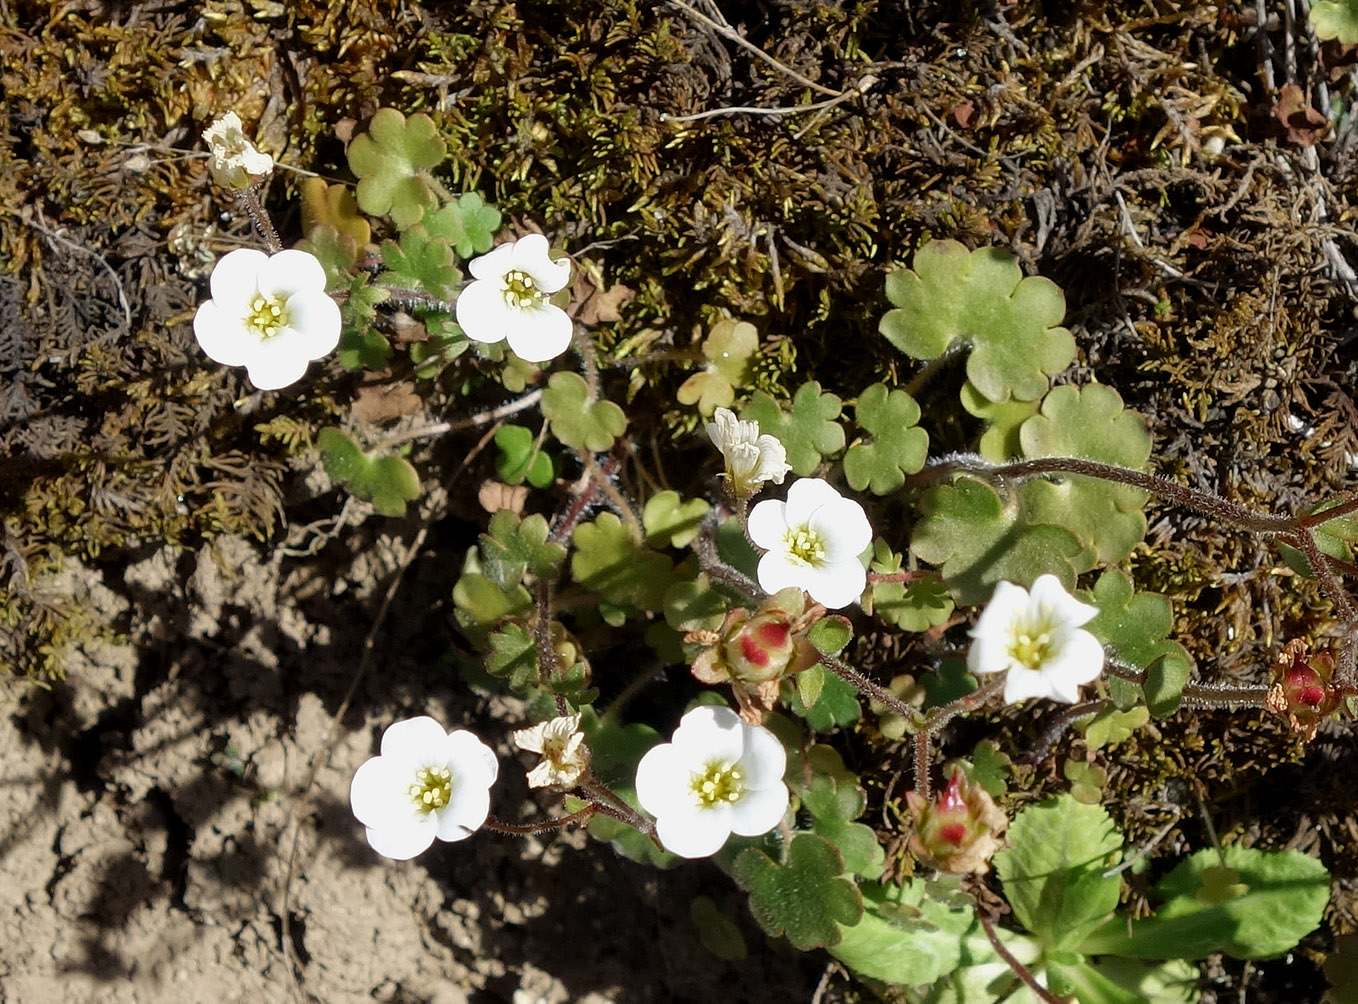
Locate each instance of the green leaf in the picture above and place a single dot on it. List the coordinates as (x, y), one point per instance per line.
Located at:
(520, 459)
(574, 420)
(808, 432)
(728, 350)
(834, 807)
(1126, 981)
(918, 606)
(479, 604)
(830, 634)
(1000, 441)
(718, 932)
(669, 522)
(337, 252)
(810, 684)
(420, 262)
(615, 751)
(1285, 897)
(513, 657)
(947, 682)
(1335, 538)
(608, 561)
(388, 482)
(836, 705)
(1337, 19)
(332, 208)
(1090, 423)
(392, 160)
(1086, 781)
(989, 768)
(805, 899)
(1053, 871)
(898, 446)
(468, 225)
(1136, 624)
(517, 545)
(979, 541)
(980, 298)
(694, 606)
(1111, 726)
(911, 936)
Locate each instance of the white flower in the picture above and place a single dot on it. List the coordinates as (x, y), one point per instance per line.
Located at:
(268, 314)
(510, 298)
(1037, 637)
(234, 161)
(427, 783)
(718, 775)
(751, 459)
(813, 542)
(565, 757)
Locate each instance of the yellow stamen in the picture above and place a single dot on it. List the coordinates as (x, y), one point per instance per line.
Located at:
(432, 789)
(267, 317)
(721, 782)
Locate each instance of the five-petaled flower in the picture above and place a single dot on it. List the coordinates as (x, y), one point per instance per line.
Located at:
(718, 775)
(427, 783)
(511, 298)
(813, 542)
(268, 314)
(751, 458)
(565, 757)
(233, 159)
(1037, 637)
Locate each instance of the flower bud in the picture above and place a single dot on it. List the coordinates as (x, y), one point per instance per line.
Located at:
(960, 830)
(1302, 689)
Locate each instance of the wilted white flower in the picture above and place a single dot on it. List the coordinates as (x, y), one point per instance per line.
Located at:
(751, 458)
(718, 775)
(427, 783)
(233, 159)
(1037, 637)
(511, 298)
(268, 314)
(565, 757)
(813, 542)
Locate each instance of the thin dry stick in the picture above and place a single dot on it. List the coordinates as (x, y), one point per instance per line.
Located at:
(1020, 970)
(304, 803)
(862, 87)
(730, 33)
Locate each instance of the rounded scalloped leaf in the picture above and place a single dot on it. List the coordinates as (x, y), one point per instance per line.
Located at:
(1000, 441)
(577, 422)
(1088, 422)
(468, 225)
(728, 349)
(1336, 19)
(980, 541)
(391, 161)
(808, 432)
(805, 898)
(981, 298)
(387, 482)
(897, 445)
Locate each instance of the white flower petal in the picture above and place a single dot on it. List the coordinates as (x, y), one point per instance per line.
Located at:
(759, 811)
(482, 313)
(530, 256)
(767, 524)
(806, 496)
(832, 585)
(717, 733)
(844, 526)
(291, 271)
(418, 740)
(1051, 597)
(235, 277)
(222, 336)
(474, 762)
(697, 835)
(403, 842)
(537, 335)
(494, 264)
(314, 323)
(464, 814)
(764, 761)
(663, 782)
(379, 792)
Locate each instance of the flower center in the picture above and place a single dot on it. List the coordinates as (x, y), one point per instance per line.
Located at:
(721, 782)
(805, 545)
(520, 290)
(432, 789)
(1031, 649)
(268, 315)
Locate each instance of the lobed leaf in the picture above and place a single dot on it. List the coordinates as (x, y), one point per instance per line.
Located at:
(805, 899)
(392, 160)
(576, 421)
(608, 561)
(388, 482)
(808, 431)
(897, 446)
(981, 299)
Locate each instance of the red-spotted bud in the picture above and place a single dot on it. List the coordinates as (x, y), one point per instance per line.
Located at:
(753, 652)
(959, 831)
(1303, 689)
